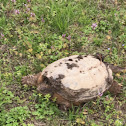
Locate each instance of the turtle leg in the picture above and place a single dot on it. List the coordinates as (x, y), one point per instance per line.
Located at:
(47, 89)
(117, 69)
(32, 80)
(115, 88)
(63, 103)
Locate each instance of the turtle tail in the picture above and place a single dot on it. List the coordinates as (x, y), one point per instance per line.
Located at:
(117, 69)
(32, 80)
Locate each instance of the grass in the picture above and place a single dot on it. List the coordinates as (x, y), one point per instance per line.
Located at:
(34, 34)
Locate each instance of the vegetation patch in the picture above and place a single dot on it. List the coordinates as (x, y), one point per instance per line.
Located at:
(35, 33)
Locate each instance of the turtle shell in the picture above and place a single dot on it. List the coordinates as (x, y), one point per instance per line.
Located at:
(78, 78)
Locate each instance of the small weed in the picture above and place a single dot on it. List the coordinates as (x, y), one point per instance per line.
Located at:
(75, 113)
(5, 97)
(103, 26)
(62, 14)
(15, 116)
(45, 109)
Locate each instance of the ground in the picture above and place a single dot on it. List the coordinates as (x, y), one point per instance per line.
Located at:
(35, 33)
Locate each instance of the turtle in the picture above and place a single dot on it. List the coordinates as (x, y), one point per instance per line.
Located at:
(75, 79)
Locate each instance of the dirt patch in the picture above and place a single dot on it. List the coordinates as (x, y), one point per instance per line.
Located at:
(82, 72)
(70, 60)
(3, 48)
(51, 81)
(70, 66)
(79, 57)
(61, 76)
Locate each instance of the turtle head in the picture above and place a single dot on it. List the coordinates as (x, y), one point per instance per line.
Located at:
(114, 68)
(32, 80)
(117, 69)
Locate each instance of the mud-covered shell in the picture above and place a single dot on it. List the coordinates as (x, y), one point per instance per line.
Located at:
(78, 78)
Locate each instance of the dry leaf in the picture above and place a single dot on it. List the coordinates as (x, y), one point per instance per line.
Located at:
(66, 53)
(79, 120)
(30, 50)
(120, 85)
(108, 37)
(35, 32)
(118, 75)
(49, 51)
(64, 45)
(41, 53)
(116, 2)
(109, 32)
(16, 53)
(42, 65)
(32, 19)
(20, 54)
(28, 44)
(38, 56)
(85, 113)
(94, 103)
